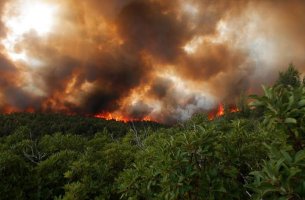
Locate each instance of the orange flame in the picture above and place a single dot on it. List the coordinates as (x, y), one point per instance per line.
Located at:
(221, 111)
(119, 118)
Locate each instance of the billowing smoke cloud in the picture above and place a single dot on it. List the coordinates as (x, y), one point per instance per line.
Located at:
(152, 59)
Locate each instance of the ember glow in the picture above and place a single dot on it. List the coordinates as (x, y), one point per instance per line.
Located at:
(220, 111)
(143, 60)
(120, 118)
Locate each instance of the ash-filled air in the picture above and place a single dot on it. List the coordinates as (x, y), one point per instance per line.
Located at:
(143, 59)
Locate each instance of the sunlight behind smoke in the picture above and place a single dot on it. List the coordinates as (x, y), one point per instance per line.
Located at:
(26, 16)
(29, 15)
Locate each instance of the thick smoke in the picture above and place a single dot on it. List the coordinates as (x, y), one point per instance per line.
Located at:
(152, 59)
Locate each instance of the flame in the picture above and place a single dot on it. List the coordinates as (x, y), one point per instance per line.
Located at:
(234, 109)
(120, 118)
(220, 111)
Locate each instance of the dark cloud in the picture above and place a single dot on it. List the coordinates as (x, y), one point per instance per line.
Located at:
(20, 99)
(129, 56)
(12, 95)
(138, 111)
(211, 60)
(115, 75)
(160, 88)
(8, 71)
(145, 25)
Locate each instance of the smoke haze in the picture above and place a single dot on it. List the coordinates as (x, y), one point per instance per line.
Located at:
(143, 59)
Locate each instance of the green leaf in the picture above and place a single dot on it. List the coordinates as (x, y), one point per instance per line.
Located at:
(256, 103)
(300, 155)
(286, 156)
(291, 100)
(270, 107)
(290, 121)
(301, 103)
(221, 189)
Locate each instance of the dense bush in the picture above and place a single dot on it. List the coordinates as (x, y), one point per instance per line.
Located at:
(49, 123)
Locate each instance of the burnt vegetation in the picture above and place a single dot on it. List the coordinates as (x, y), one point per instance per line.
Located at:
(255, 153)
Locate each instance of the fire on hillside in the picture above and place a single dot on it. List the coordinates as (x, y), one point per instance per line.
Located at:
(218, 112)
(221, 111)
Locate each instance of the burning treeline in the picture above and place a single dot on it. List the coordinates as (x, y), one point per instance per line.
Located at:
(150, 59)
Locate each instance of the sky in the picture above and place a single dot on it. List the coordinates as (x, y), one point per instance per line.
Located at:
(143, 59)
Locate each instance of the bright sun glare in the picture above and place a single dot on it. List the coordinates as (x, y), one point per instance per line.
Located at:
(24, 16)
(30, 15)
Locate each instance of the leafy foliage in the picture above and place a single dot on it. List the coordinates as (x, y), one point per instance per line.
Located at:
(284, 107)
(281, 177)
(198, 163)
(291, 77)
(14, 173)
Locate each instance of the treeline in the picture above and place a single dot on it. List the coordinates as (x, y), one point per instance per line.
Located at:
(256, 153)
(49, 123)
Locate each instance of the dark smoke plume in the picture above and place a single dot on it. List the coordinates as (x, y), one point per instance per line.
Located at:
(152, 59)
